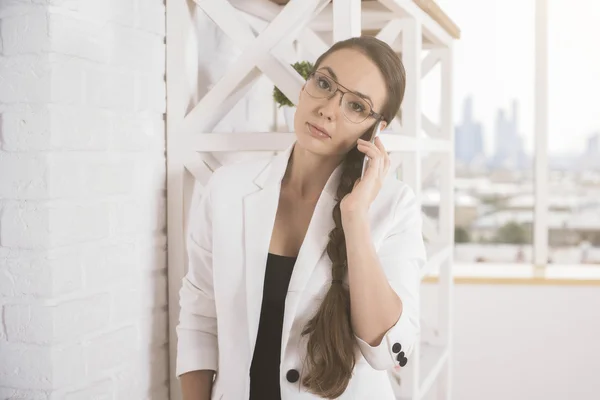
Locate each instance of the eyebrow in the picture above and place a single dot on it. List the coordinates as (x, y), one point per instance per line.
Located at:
(335, 78)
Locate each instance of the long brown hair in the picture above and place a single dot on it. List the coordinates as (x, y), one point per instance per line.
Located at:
(331, 347)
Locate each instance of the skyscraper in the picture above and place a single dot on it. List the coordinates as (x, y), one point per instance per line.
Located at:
(509, 151)
(590, 159)
(468, 136)
(593, 145)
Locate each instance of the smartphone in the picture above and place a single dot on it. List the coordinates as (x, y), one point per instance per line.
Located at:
(376, 131)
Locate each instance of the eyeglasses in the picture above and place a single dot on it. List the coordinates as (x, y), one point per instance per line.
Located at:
(355, 108)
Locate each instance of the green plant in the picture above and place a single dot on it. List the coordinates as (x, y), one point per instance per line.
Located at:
(512, 233)
(304, 68)
(461, 235)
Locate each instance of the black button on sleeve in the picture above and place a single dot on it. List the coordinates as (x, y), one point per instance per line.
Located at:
(396, 347)
(401, 359)
(292, 376)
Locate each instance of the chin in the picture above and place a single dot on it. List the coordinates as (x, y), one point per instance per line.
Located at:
(315, 146)
(318, 147)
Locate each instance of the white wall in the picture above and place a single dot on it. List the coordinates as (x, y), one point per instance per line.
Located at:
(82, 200)
(524, 342)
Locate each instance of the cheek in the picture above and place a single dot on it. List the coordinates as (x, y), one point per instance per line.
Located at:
(305, 104)
(349, 133)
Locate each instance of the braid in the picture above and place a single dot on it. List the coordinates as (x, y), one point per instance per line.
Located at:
(330, 349)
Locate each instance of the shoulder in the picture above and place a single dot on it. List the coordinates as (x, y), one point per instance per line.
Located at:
(397, 194)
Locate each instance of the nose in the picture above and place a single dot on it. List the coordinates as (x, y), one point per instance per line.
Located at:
(330, 107)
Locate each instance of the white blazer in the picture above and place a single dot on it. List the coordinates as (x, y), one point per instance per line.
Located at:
(230, 229)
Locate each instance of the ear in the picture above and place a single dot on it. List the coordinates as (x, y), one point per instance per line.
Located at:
(383, 125)
(301, 90)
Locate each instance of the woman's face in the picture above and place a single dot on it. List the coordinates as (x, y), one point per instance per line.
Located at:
(354, 72)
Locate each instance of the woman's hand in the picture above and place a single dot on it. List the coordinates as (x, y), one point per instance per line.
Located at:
(365, 190)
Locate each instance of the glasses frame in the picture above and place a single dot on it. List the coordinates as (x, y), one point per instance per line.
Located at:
(373, 114)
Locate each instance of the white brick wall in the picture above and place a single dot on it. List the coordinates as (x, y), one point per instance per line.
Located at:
(82, 200)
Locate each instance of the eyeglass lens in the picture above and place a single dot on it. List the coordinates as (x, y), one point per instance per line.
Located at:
(354, 107)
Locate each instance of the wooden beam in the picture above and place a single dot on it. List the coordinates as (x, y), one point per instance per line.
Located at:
(430, 128)
(430, 61)
(346, 19)
(390, 32)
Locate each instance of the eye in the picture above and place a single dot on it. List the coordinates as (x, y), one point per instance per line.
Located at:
(356, 107)
(323, 83)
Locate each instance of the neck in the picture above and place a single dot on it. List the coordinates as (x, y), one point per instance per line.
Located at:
(307, 173)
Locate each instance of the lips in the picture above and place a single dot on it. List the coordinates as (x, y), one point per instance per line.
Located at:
(320, 129)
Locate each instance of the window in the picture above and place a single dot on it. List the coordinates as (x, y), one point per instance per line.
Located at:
(494, 130)
(574, 132)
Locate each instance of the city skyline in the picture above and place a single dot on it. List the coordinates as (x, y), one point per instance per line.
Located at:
(507, 150)
(495, 65)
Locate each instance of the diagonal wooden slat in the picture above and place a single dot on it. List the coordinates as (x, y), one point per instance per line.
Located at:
(203, 116)
(433, 371)
(435, 259)
(194, 164)
(315, 45)
(430, 28)
(395, 161)
(430, 61)
(429, 127)
(217, 103)
(430, 164)
(224, 15)
(396, 126)
(390, 32)
(430, 229)
(210, 161)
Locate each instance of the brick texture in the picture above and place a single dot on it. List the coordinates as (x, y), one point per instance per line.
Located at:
(83, 289)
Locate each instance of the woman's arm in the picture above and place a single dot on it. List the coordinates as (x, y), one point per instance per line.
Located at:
(384, 283)
(197, 385)
(374, 305)
(197, 345)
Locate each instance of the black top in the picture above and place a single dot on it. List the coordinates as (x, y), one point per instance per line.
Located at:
(264, 371)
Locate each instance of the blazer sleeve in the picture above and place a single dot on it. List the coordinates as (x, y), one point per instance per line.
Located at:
(197, 329)
(402, 256)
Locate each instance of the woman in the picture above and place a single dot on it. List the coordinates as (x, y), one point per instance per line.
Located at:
(281, 300)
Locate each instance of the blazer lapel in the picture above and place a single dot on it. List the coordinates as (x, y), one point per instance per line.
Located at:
(312, 249)
(260, 209)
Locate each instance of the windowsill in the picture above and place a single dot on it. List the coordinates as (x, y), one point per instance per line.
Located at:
(523, 274)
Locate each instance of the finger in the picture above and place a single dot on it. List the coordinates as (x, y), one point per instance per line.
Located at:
(369, 149)
(373, 159)
(374, 163)
(379, 144)
(367, 143)
(373, 169)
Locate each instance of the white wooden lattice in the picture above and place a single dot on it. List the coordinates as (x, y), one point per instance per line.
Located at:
(418, 147)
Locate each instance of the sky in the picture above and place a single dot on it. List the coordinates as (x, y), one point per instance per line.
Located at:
(494, 63)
